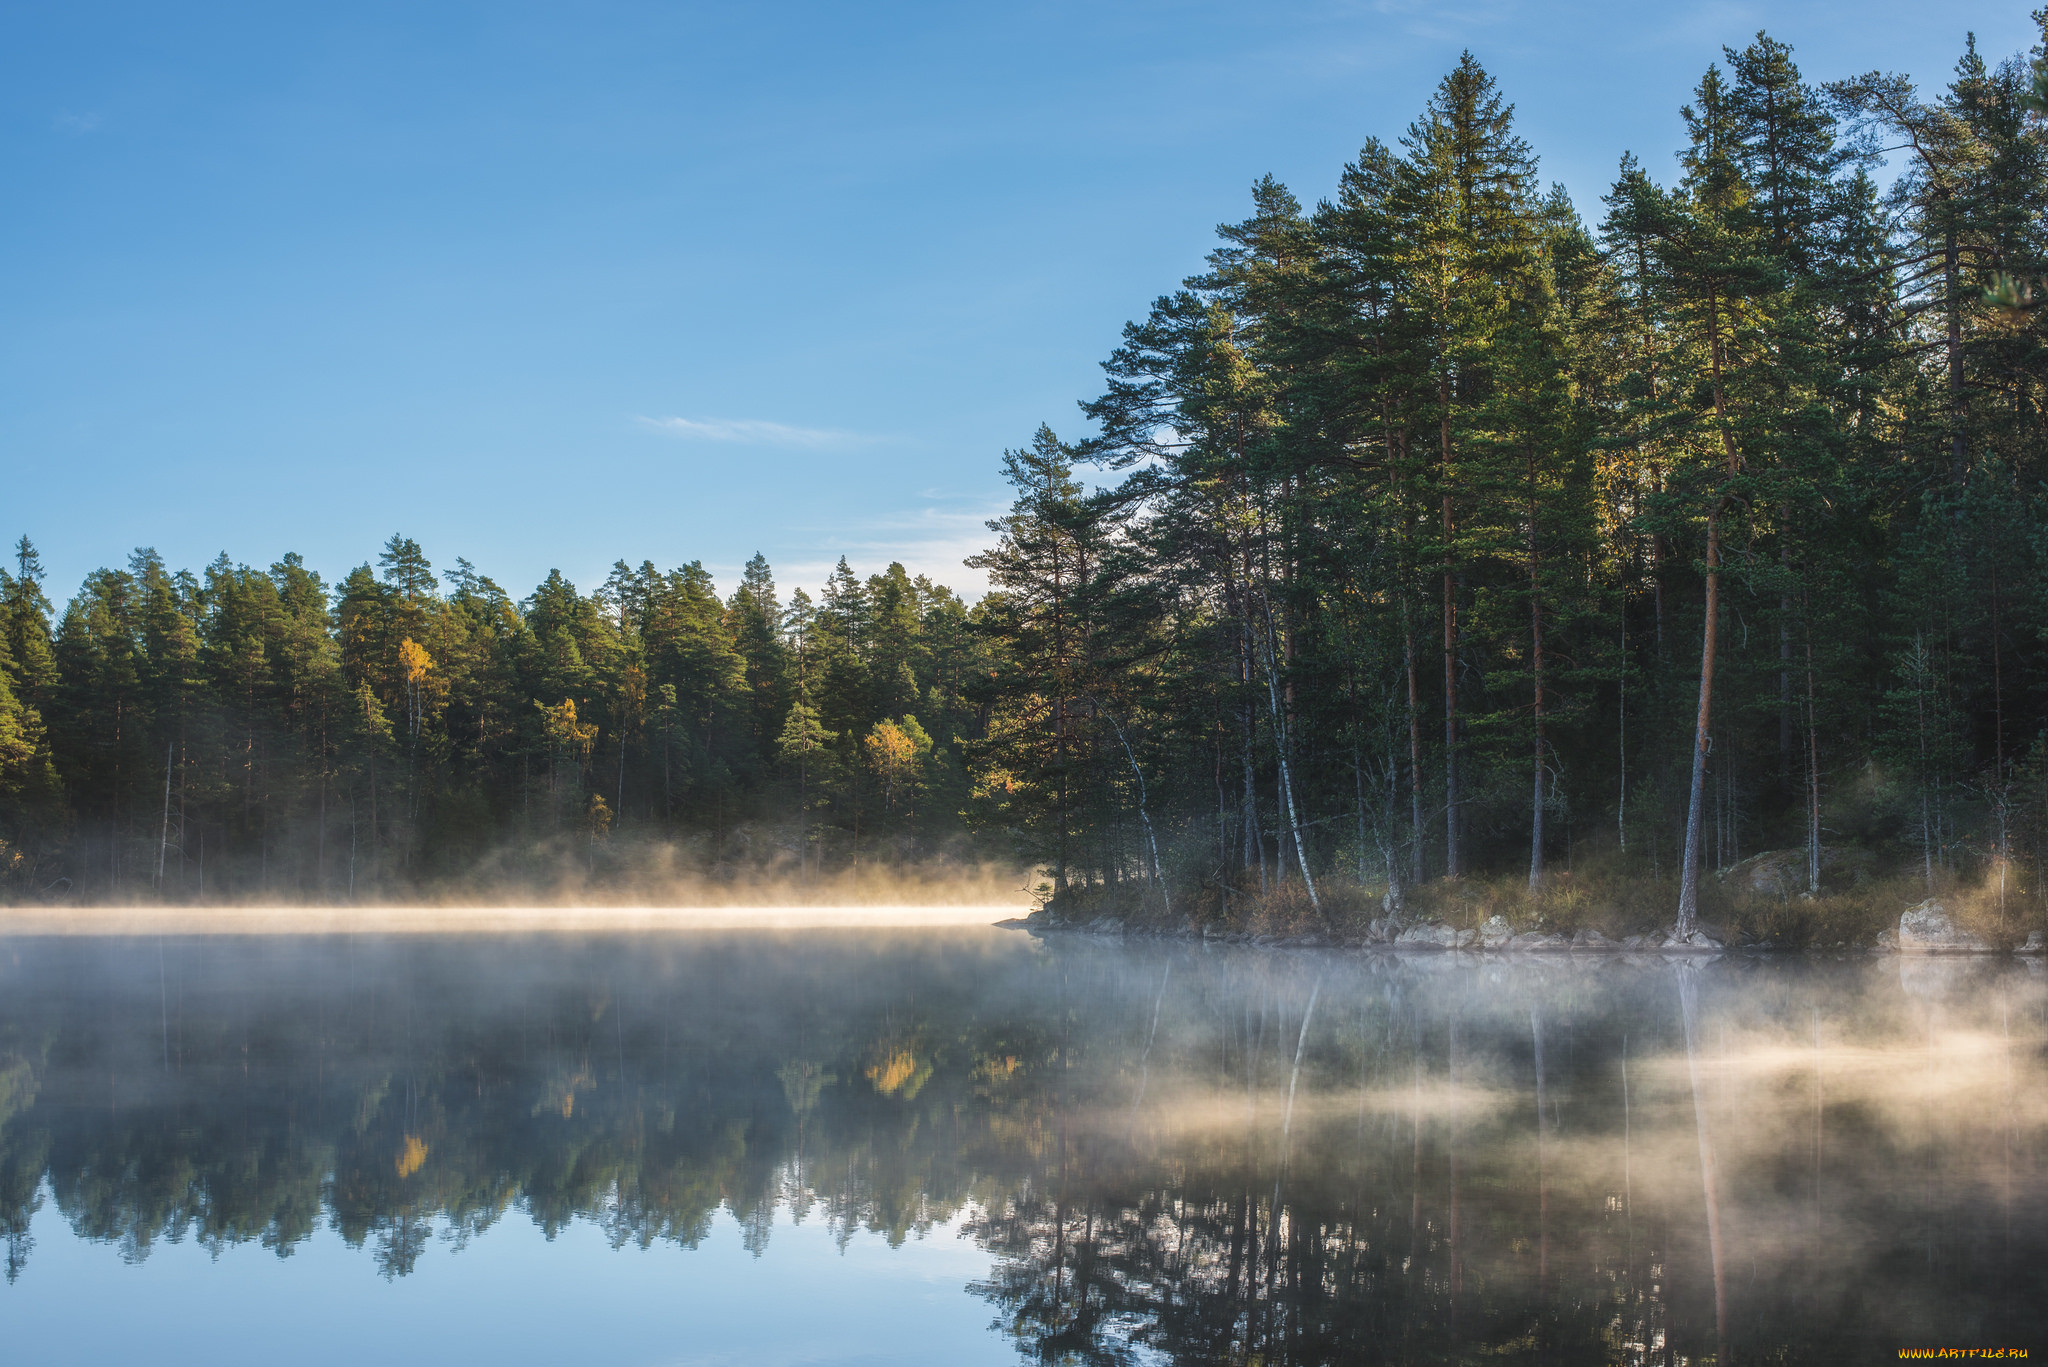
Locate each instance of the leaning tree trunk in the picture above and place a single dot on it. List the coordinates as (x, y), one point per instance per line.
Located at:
(1689, 872)
(1144, 810)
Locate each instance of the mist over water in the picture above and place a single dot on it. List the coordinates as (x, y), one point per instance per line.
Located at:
(456, 918)
(1101, 1151)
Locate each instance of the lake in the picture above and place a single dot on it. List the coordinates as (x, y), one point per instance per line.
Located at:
(959, 1145)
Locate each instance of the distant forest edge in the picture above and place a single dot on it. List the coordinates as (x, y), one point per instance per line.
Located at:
(1458, 555)
(250, 733)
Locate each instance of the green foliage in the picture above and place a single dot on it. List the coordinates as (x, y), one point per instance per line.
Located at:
(246, 732)
(1420, 496)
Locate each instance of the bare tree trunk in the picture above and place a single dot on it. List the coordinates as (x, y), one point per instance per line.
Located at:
(1254, 842)
(1280, 750)
(1144, 815)
(1785, 745)
(1536, 672)
(184, 826)
(163, 843)
(1621, 731)
(1405, 569)
(1920, 712)
(1282, 830)
(1454, 864)
(1059, 752)
(1997, 677)
(1414, 763)
(1689, 874)
(1454, 853)
(373, 823)
(320, 846)
(1390, 847)
(1812, 757)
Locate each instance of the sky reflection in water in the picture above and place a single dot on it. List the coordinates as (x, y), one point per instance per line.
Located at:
(828, 1146)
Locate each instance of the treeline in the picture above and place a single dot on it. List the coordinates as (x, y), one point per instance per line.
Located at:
(261, 732)
(1458, 533)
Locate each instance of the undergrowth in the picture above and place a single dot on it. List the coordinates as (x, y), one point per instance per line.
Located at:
(1851, 910)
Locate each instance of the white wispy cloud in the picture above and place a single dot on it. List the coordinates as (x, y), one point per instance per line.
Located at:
(752, 432)
(76, 124)
(926, 541)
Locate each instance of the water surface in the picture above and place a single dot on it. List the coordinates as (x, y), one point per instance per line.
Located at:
(966, 1145)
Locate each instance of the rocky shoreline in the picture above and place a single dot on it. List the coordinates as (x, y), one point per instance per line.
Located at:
(1927, 928)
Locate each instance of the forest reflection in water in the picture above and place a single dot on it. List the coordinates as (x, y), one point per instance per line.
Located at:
(1168, 1152)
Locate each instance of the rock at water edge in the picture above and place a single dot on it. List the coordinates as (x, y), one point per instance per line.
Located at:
(1928, 929)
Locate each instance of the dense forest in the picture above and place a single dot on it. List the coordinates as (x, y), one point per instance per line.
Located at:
(1457, 535)
(254, 732)
(1450, 535)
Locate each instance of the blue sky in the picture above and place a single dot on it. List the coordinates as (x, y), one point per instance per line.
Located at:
(547, 285)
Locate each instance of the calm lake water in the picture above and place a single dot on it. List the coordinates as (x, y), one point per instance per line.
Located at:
(961, 1146)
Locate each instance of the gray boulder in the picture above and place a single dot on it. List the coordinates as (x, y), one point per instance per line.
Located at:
(2033, 945)
(1592, 939)
(1928, 929)
(1495, 932)
(1435, 936)
(1540, 940)
(1774, 873)
(1782, 873)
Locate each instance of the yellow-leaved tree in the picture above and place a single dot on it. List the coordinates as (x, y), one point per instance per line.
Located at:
(414, 660)
(896, 752)
(565, 736)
